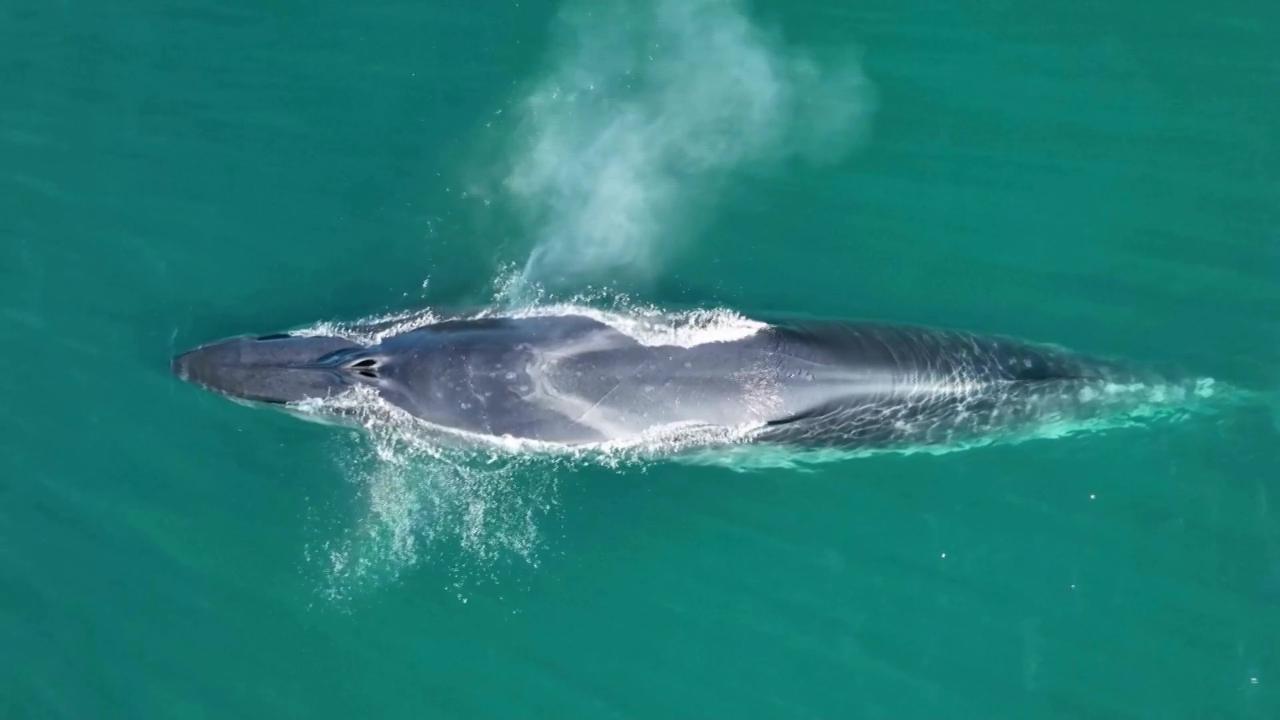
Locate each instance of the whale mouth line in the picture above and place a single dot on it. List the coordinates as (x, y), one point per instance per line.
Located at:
(246, 400)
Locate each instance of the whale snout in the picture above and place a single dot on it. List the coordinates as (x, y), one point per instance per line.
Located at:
(193, 365)
(179, 366)
(272, 368)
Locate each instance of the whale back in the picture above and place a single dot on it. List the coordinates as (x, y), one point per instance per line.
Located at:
(573, 379)
(938, 386)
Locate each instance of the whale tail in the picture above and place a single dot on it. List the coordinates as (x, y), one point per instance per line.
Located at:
(1228, 397)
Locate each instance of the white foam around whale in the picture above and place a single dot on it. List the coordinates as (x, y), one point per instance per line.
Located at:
(646, 325)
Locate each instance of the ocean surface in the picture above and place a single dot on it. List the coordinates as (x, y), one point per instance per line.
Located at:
(1100, 175)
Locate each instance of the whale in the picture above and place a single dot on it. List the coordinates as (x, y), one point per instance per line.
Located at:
(576, 380)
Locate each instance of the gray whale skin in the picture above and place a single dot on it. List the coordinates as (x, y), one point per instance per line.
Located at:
(574, 380)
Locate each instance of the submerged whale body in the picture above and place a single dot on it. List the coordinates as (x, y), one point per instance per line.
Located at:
(575, 380)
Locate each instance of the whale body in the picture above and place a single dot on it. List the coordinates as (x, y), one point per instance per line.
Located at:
(575, 380)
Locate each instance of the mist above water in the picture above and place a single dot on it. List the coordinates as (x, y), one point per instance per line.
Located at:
(643, 113)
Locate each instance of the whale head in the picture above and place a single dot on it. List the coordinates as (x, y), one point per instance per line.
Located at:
(275, 369)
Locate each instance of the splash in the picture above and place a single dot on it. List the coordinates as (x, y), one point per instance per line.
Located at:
(646, 109)
(372, 330)
(474, 504)
(425, 498)
(477, 504)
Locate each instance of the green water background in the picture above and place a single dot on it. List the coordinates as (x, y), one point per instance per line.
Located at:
(1101, 175)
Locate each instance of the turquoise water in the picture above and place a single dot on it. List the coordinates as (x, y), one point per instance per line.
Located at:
(1105, 176)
